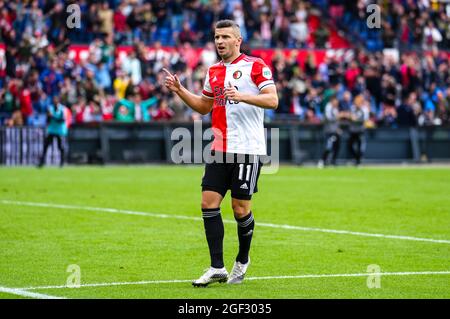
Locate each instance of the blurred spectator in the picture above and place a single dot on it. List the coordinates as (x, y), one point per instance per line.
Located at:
(38, 41)
(187, 35)
(351, 75)
(298, 31)
(388, 91)
(106, 19)
(24, 97)
(132, 66)
(85, 112)
(163, 113)
(51, 78)
(102, 77)
(265, 31)
(56, 129)
(252, 16)
(124, 111)
(208, 56)
(121, 29)
(321, 36)
(281, 29)
(359, 114)
(121, 84)
(57, 28)
(346, 102)
(332, 132)
(133, 108)
(388, 116)
(406, 115)
(432, 36)
(442, 109)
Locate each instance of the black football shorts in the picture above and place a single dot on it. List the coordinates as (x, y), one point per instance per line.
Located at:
(236, 172)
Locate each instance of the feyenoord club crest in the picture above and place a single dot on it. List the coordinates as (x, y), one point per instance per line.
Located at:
(237, 75)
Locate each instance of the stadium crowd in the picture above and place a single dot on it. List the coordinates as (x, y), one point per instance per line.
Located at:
(404, 24)
(411, 89)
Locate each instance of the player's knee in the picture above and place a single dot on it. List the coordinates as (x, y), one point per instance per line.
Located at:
(209, 203)
(240, 210)
(210, 200)
(206, 205)
(241, 213)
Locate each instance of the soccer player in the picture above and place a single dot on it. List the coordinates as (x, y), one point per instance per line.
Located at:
(332, 132)
(356, 142)
(56, 129)
(237, 90)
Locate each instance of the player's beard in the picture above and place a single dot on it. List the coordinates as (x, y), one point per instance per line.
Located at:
(226, 54)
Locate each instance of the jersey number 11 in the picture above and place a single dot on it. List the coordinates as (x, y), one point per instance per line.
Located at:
(241, 172)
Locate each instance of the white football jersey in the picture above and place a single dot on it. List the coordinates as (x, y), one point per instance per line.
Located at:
(238, 127)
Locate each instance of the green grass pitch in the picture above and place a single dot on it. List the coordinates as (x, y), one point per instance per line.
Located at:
(119, 249)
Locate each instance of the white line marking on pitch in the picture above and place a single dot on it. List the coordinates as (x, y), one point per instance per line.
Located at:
(249, 278)
(24, 293)
(308, 229)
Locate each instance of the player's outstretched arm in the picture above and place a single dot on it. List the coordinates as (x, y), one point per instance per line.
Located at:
(200, 104)
(267, 98)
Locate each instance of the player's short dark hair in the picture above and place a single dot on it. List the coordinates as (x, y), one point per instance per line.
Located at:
(228, 24)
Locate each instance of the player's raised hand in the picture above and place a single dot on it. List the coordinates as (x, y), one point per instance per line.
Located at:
(231, 93)
(172, 82)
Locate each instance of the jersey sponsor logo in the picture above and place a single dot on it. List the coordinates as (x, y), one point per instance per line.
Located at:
(218, 91)
(219, 99)
(237, 75)
(266, 73)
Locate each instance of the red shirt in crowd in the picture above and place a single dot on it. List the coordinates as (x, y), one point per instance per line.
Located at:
(163, 114)
(350, 77)
(26, 107)
(120, 22)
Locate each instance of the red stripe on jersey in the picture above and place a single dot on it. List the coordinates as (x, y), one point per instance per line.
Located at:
(239, 58)
(208, 93)
(257, 72)
(251, 58)
(219, 115)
